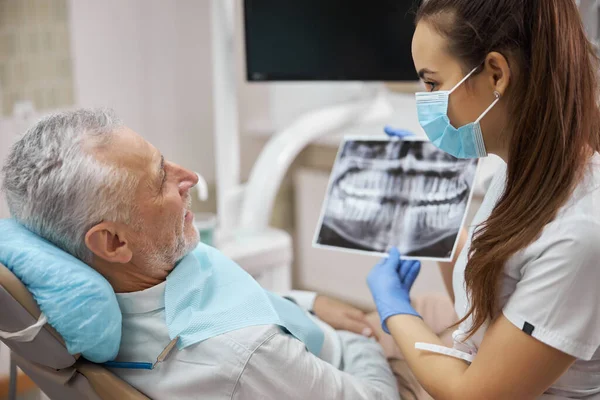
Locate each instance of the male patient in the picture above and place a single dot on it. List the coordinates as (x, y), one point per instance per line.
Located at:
(101, 192)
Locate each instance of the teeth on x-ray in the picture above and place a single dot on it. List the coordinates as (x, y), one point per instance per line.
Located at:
(397, 193)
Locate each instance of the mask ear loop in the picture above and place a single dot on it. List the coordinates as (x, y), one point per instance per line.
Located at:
(497, 94)
(463, 80)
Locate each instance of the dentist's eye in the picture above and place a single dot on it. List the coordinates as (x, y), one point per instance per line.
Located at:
(430, 86)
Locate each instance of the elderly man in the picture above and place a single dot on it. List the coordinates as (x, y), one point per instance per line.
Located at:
(101, 192)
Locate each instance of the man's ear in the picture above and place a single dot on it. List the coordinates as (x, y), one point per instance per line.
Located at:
(108, 242)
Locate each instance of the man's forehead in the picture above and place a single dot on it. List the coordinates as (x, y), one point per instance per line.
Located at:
(128, 150)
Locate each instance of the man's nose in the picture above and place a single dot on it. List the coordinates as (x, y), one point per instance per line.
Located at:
(188, 180)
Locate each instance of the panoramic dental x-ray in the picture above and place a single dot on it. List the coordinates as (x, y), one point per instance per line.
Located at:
(395, 193)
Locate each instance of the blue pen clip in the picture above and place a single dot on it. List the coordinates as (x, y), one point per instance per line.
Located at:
(128, 365)
(143, 365)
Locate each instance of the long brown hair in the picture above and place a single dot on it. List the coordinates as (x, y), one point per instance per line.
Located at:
(554, 120)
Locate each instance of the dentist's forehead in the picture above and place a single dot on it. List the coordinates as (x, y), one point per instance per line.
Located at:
(430, 49)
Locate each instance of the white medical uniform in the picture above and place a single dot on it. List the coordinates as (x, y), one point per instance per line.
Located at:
(551, 288)
(257, 362)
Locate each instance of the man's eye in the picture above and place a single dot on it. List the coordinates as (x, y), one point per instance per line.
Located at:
(163, 182)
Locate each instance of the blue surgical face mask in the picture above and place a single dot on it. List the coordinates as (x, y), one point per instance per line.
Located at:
(463, 142)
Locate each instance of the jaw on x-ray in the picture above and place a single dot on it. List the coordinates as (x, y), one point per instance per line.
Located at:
(386, 193)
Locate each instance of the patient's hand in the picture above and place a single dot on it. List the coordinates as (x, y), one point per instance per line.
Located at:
(341, 316)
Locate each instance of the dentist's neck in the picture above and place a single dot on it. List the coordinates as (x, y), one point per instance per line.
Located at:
(502, 153)
(499, 144)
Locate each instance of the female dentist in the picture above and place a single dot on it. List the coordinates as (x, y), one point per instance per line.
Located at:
(516, 78)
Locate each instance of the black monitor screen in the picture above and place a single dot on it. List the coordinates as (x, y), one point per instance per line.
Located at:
(329, 40)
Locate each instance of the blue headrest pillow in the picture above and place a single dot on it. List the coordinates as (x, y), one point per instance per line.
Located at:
(78, 302)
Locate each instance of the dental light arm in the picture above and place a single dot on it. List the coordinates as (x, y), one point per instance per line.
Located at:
(270, 168)
(201, 188)
(226, 129)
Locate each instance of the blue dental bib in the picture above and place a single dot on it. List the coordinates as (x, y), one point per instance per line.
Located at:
(208, 294)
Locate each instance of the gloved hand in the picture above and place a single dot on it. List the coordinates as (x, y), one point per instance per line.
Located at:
(399, 133)
(390, 282)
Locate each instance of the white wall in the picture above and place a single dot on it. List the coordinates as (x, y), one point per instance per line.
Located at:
(150, 61)
(106, 43)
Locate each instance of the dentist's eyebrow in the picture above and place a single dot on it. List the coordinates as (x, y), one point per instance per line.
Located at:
(424, 71)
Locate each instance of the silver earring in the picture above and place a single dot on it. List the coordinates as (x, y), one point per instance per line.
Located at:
(497, 94)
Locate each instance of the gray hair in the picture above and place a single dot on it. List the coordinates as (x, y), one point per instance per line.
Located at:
(57, 188)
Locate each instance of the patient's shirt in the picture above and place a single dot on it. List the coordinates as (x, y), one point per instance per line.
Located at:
(550, 288)
(259, 362)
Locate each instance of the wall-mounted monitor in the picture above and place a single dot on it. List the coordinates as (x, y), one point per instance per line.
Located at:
(329, 40)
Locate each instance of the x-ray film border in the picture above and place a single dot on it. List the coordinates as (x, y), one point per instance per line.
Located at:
(375, 253)
(382, 138)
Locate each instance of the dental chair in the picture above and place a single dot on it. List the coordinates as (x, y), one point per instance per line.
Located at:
(45, 359)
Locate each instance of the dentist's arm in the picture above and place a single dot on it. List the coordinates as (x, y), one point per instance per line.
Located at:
(510, 364)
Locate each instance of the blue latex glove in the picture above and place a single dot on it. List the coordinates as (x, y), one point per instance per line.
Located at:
(399, 133)
(390, 282)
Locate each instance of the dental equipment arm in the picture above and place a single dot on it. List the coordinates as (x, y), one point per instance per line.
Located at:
(201, 188)
(226, 127)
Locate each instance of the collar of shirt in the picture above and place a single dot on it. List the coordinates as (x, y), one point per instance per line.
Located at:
(143, 301)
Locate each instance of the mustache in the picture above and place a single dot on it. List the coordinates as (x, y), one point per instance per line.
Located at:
(187, 201)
